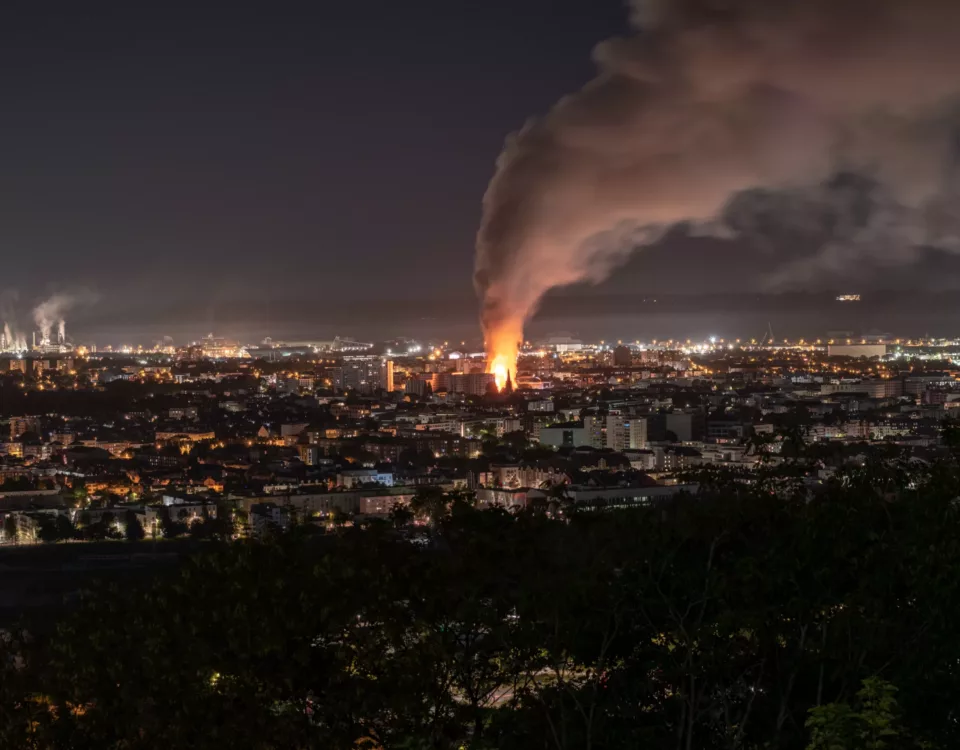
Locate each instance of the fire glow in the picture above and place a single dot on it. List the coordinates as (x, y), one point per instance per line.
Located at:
(502, 349)
(502, 363)
(500, 372)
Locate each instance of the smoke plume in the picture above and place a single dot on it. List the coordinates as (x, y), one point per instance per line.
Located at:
(13, 338)
(707, 100)
(51, 311)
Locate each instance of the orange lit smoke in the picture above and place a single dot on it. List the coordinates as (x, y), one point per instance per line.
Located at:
(710, 100)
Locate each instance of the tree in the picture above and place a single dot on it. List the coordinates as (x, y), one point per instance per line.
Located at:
(169, 527)
(96, 531)
(79, 493)
(872, 723)
(559, 500)
(400, 515)
(48, 532)
(950, 436)
(11, 528)
(65, 527)
(516, 441)
(339, 518)
(200, 529)
(133, 526)
(224, 524)
(240, 521)
(744, 617)
(430, 503)
(108, 522)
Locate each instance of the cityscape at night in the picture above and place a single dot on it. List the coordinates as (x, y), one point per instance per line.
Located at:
(558, 374)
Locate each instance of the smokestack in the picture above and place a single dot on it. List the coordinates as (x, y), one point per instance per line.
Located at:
(34, 339)
(708, 100)
(52, 310)
(61, 331)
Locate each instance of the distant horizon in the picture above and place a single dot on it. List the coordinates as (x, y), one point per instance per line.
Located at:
(586, 313)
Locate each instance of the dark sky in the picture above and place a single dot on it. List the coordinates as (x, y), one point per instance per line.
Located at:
(297, 169)
(200, 165)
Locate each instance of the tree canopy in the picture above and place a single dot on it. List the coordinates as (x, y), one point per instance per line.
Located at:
(738, 618)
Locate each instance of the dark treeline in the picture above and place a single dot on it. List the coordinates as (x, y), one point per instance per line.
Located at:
(736, 619)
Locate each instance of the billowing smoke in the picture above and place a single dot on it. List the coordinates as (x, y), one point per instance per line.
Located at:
(13, 338)
(61, 330)
(849, 223)
(49, 311)
(52, 310)
(713, 98)
(13, 342)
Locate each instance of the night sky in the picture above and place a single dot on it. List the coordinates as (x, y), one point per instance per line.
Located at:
(297, 169)
(215, 167)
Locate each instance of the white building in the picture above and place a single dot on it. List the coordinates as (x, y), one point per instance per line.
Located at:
(589, 432)
(350, 478)
(626, 433)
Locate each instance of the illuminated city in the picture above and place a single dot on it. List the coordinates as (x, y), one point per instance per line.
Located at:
(503, 375)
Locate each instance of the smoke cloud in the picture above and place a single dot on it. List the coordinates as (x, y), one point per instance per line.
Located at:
(13, 338)
(849, 222)
(52, 310)
(715, 100)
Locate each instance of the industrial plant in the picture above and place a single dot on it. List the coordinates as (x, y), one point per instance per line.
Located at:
(43, 341)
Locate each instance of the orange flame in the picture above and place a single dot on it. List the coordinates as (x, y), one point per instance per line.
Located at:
(502, 350)
(500, 375)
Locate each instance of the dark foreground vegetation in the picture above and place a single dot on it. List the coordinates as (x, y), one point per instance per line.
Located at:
(741, 618)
